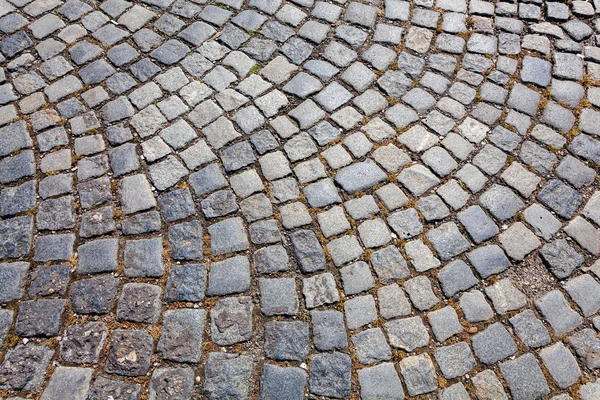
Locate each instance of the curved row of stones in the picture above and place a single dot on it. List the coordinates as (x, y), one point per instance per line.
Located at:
(276, 199)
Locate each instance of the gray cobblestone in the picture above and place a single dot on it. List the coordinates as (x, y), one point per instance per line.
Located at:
(178, 148)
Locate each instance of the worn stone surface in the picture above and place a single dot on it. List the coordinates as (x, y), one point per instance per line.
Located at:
(269, 199)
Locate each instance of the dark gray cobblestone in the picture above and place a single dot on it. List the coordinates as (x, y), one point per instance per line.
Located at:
(289, 199)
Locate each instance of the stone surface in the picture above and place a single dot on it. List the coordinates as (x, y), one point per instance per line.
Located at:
(419, 374)
(330, 375)
(524, 377)
(268, 199)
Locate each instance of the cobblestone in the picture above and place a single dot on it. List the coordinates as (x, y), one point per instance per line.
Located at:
(310, 198)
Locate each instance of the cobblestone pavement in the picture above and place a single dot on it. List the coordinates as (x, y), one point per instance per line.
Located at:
(243, 199)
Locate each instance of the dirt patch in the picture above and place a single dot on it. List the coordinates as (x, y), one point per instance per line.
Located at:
(532, 277)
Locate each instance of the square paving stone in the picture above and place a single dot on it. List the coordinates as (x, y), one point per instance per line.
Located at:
(278, 296)
(472, 177)
(286, 340)
(185, 239)
(97, 222)
(176, 204)
(97, 256)
(488, 260)
(505, 296)
(293, 215)
(94, 296)
(407, 333)
(18, 199)
(493, 344)
(24, 367)
(228, 236)
(575, 172)
(144, 258)
(231, 320)
(432, 208)
(357, 143)
(475, 307)
(63, 184)
(561, 364)
(12, 281)
(357, 278)
(555, 309)
(186, 283)
(585, 291)
(75, 380)
(229, 276)
(560, 197)
(330, 375)
(374, 233)
(246, 183)
(518, 241)
(456, 277)
(487, 383)
(180, 340)
(265, 232)
(419, 374)
(49, 280)
(501, 202)
(530, 329)
(103, 388)
(256, 207)
(590, 210)
(333, 221)
(371, 346)
(56, 214)
(227, 375)
(521, 179)
(320, 289)
(585, 234)
(536, 70)
(136, 194)
(448, 241)
(362, 207)
(359, 176)
(360, 311)
(344, 249)
(176, 382)
(479, 226)
(271, 259)
(82, 343)
(444, 323)
(586, 345)
(406, 223)
(139, 302)
(141, 223)
(94, 192)
(124, 342)
(124, 159)
(282, 382)
(455, 360)
(16, 235)
(380, 381)
(307, 251)
(439, 160)
(329, 332)
(524, 377)
(418, 179)
(391, 196)
(454, 392)
(39, 318)
(207, 180)
(420, 291)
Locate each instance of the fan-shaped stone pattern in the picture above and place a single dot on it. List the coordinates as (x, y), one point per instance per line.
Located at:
(257, 198)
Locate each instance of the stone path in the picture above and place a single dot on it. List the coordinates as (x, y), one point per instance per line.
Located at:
(243, 199)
